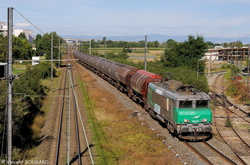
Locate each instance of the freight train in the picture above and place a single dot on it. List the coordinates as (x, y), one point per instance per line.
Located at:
(184, 110)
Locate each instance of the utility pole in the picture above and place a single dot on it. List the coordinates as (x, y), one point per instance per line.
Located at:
(59, 53)
(9, 96)
(51, 55)
(198, 67)
(145, 55)
(209, 66)
(89, 46)
(105, 47)
(248, 67)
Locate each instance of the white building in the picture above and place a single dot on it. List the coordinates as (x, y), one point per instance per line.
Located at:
(35, 60)
(3, 28)
(228, 54)
(212, 54)
(16, 32)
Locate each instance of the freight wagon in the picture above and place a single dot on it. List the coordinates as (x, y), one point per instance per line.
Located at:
(185, 111)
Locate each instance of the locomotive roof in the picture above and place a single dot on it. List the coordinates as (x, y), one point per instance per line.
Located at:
(178, 93)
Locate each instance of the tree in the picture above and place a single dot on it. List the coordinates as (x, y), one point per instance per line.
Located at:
(170, 57)
(210, 44)
(225, 45)
(186, 53)
(3, 48)
(22, 49)
(171, 43)
(38, 37)
(44, 45)
(104, 39)
(154, 44)
(237, 44)
(27, 105)
(22, 35)
(84, 47)
(36, 42)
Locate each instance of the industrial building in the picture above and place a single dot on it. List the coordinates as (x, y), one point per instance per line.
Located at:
(228, 54)
(16, 32)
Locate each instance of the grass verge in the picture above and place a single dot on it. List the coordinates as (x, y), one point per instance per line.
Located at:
(119, 139)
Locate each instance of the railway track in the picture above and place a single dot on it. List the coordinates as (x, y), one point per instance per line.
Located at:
(213, 147)
(223, 120)
(61, 117)
(208, 153)
(72, 141)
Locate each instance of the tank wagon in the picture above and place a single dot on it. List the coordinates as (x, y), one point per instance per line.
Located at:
(183, 109)
(115, 73)
(139, 84)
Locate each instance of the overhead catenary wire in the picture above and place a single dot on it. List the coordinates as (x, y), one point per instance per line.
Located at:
(79, 113)
(29, 21)
(54, 42)
(50, 38)
(68, 128)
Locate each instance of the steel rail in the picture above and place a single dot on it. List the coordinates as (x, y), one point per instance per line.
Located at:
(223, 98)
(241, 160)
(76, 120)
(83, 127)
(69, 124)
(235, 130)
(228, 117)
(218, 152)
(60, 120)
(232, 106)
(198, 153)
(236, 107)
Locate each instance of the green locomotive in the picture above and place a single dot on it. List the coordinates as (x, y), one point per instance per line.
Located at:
(184, 110)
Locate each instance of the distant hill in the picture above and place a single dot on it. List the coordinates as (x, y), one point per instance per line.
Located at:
(155, 37)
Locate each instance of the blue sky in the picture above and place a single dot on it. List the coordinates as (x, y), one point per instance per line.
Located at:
(213, 18)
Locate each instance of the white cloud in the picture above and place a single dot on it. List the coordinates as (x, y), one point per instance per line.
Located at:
(232, 21)
(22, 24)
(223, 1)
(236, 1)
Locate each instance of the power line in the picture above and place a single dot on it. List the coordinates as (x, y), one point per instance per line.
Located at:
(244, 37)
(29, 21)
(54, 43)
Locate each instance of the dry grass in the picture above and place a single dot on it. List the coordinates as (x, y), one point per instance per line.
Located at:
(86, 77)
(125, 140)
(37, 125)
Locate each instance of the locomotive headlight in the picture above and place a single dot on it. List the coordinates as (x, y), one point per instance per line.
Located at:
(186, 121)
(204, 120)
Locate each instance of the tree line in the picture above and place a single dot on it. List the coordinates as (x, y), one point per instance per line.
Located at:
(28, 90)
(23, 50)
(119, 44)
(150, 44)
(181, 61)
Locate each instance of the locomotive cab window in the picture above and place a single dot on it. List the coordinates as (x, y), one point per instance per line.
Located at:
(185, 104)
(202, 104)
